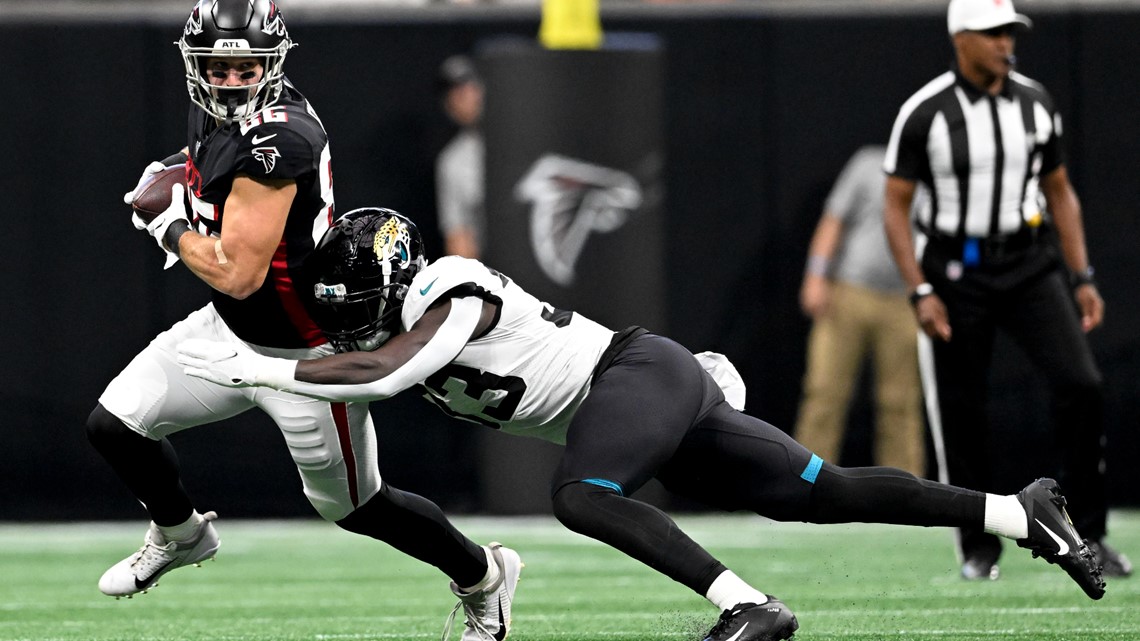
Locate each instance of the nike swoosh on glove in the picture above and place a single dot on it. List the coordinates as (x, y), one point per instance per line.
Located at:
(157, 227)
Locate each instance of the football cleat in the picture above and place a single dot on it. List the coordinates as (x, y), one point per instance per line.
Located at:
(979, 569)
(770, 621)
(1053, 537)
(1111, 561)
(140, 571)
(488, 611)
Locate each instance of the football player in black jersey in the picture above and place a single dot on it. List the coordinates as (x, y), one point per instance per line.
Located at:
(259, 187)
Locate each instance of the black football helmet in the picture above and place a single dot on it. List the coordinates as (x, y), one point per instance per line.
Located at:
(234, 29)
(363, 267)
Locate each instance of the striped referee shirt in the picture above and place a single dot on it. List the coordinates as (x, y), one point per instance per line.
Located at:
(981, 156)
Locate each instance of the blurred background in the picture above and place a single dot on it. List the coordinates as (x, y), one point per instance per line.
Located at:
(733, 118)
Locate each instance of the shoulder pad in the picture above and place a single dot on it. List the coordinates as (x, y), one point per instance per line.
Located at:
(447, 277)
(282, 142)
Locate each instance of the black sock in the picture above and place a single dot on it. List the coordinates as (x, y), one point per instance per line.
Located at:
(148, 468)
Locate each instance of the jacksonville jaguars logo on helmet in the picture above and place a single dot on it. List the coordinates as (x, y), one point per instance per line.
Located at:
(391, 242)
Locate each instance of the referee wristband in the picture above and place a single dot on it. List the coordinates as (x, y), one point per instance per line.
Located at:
(922, 291)
(1084, 277)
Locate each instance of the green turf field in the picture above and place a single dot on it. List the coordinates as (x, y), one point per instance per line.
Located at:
(277, 580)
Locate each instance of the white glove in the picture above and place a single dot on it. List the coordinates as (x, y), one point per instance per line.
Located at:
(147, 176)
(232, 365)
(157, 227)
(727, 378)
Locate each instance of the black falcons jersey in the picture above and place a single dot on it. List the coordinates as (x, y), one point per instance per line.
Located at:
(284, 141)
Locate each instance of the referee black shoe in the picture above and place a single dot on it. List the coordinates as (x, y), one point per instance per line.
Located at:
(770, 621)
(1053, 537)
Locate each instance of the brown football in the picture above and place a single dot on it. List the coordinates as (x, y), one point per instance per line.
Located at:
(155, 195)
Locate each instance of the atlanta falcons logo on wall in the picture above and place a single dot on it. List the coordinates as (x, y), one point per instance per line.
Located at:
(569, 200)
(268, 157)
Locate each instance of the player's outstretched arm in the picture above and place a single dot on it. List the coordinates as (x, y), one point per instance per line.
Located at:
(403, 361)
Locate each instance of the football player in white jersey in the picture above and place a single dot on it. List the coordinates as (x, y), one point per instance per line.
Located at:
(628, 406)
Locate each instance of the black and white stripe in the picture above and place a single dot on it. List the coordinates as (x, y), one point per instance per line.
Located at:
(982, 156)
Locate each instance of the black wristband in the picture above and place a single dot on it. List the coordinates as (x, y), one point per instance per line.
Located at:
(177, 159)
(1076, 279)
(173, 232)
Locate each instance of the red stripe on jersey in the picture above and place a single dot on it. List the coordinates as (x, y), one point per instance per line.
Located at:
(340, 418)
(306, 328)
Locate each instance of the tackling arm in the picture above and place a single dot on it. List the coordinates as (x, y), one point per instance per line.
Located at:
(403, 361)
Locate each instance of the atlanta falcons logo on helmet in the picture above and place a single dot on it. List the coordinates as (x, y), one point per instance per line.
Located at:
(194, 24)
(569, 200)
(273, 24)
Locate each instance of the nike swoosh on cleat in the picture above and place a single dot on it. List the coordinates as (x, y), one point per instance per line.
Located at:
(502, 633)
(424, 291)
(257, 140)
(1064, 547)
(738, 633)
(142, 583)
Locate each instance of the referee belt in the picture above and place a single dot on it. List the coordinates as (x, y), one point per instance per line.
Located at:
(987, 249)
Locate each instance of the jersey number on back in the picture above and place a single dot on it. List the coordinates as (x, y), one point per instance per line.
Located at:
(483, 397)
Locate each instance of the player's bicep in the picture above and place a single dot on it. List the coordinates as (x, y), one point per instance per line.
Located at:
(254, 224)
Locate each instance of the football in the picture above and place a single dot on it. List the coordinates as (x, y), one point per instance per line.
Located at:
(154, 198)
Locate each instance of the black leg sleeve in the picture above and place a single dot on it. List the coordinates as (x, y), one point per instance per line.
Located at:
(639, 530)
(417, 527)
(148, 468)
(889, 495)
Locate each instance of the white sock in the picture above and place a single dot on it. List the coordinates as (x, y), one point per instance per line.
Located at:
(728, 590)
(488, 579)
(1005, 516)
(182, 531)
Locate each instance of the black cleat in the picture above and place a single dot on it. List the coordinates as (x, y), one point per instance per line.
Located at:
(1053, 537)
(771, 621)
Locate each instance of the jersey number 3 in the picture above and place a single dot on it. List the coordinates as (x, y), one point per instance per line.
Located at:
(483, 397)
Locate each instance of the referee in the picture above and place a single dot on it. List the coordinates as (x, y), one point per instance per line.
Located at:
(987, 141)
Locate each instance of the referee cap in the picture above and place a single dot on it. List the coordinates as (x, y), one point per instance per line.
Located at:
(979, 15)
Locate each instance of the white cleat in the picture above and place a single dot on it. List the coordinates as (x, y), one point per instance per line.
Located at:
(140, 571)
(488, 612)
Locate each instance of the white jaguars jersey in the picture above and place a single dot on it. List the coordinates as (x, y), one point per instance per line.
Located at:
(529, 372)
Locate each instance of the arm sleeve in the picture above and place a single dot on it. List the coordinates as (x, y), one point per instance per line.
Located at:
(444, 346)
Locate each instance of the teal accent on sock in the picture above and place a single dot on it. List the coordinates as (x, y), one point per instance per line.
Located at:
(606, 484)
(812, 470)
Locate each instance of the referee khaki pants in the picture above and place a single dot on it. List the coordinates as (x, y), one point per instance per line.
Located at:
(863, 322)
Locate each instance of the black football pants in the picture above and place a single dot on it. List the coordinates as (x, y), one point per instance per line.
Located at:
(655, 413)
